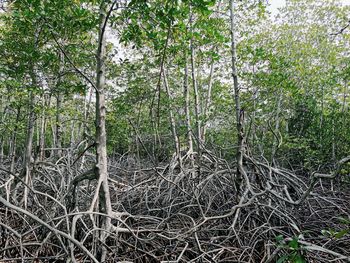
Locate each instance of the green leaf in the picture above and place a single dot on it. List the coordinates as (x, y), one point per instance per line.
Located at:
(293, 244)
(279, 238)
(342, 233)
(282, 259)
(325, 233)
(343, 220)
(298, 259)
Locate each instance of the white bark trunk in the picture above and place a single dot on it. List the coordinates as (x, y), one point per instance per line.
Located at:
(101, 137)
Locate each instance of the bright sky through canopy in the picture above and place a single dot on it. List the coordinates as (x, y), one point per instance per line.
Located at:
(275, 4)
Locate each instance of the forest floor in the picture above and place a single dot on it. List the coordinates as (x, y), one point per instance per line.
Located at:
(165, 213)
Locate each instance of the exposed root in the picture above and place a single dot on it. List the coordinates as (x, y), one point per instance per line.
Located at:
(178, 215)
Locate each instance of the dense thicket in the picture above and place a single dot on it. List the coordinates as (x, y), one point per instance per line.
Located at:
(174, 131)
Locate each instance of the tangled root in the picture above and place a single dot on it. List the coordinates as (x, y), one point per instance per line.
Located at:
(173, 213)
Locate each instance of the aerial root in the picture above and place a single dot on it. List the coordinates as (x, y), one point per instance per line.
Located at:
(180, 214)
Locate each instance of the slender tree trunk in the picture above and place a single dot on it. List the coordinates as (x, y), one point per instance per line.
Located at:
(344, 118)
(14, 141)
(208, 101)
(2, 149)
(196, 97)
(45, 103)
(187, 109)
(101, 137)
(72, 128)
(254, 138)
(3, 117)
(28, 158)
(238, 110)
(87, 103)
(208, 98)
(58, 128)
(58, 108)
(172, 119)
(210, 86)
(321, 120)
(53, 133)
(277, 127)
(333, 141)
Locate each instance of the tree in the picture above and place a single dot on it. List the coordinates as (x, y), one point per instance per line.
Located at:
(168, 131)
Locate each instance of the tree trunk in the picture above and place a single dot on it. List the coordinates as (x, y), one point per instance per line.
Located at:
(72, 127)
(2, 149)
(101, 138)
(208, 101)
(172, 119)
(196, 97)
(187, 109)
(45, 103)
(27, 158)
(277, 127)
(3, 117)
(239, 111)
(58, 129)
(86, 136)
(14, 141)
(58, 109)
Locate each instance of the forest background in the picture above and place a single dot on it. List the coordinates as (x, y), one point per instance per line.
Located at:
(175, 131)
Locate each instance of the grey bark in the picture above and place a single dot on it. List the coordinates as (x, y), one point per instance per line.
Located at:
(45, 103)
(59, 96)
(14, 141)
(196, 97)
(101, 136)
(28, 158)
(208, 101)
(276, 142)
(238, 110)
(172, 119)
(187, 109)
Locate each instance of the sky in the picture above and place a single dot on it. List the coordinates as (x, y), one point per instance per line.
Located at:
(275, 4)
